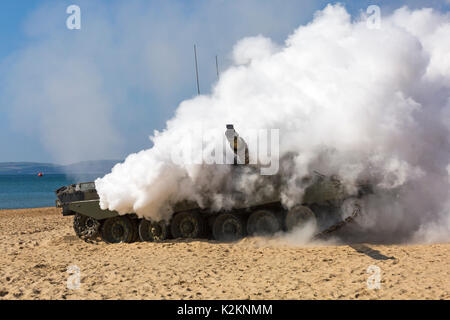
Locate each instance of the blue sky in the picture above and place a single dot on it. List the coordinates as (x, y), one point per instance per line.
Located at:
(99, 92)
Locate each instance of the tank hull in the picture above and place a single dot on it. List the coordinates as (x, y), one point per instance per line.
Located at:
(324, 197)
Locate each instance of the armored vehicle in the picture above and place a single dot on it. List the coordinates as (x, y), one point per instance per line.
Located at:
(325, 204)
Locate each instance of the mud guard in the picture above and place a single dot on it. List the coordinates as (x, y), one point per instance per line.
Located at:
(91, 209)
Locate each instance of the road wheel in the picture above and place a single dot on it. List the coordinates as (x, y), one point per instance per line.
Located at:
(153, 231)
(263, 222)
(298, 216)
(228, 227)
(118, 230)
(85, 227)
(135, 223)
(188, 224)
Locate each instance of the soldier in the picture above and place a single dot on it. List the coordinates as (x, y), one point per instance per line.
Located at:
(238, 145)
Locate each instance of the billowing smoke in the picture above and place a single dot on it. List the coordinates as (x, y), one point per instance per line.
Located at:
(347, 99)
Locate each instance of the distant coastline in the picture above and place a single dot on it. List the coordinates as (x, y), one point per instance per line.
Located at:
(83, 167)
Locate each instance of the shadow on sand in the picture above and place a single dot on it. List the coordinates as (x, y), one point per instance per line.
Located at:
(374, 254)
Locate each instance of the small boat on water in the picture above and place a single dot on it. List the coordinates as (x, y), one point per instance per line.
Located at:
(40, 174)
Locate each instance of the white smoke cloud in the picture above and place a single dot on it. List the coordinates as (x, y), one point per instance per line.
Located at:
(348, 100)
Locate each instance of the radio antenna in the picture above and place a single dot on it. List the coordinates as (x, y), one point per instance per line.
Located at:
(217, 68)
(196, 69)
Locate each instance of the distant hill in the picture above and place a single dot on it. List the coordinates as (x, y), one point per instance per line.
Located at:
(84, 167)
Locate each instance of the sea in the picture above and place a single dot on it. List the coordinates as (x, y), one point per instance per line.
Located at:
(21, 191)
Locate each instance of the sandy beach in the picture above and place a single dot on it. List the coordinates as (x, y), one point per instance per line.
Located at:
(38, 247)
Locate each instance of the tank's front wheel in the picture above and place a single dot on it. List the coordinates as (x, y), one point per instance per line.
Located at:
(118, 230)
(228, 227)
(153, 231)
(188, 224)
(263, 222)
(85, 227)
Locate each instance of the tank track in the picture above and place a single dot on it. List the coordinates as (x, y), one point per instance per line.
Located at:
(323, 234)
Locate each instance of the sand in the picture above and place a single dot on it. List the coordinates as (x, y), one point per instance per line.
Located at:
(38, 246)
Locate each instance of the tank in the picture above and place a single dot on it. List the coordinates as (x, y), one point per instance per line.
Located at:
(325, 204)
